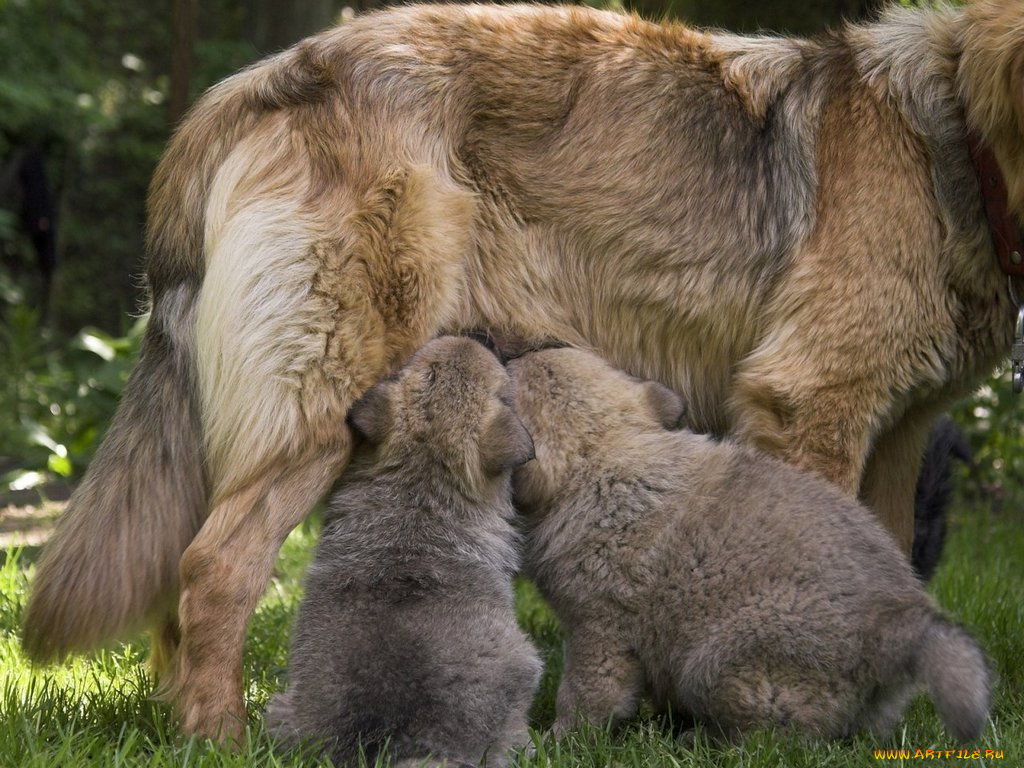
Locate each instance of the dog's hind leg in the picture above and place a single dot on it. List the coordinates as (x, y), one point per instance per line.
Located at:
(304, 306)
(223, 574)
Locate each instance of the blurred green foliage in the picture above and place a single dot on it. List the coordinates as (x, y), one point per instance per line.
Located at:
(55, 399)
(992, 422)
(800, 17)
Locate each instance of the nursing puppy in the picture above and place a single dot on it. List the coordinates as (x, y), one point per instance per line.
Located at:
(732, 586)
(789, 232)
(407, 635)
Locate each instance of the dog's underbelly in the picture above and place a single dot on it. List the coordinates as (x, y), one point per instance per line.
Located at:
(659, 317)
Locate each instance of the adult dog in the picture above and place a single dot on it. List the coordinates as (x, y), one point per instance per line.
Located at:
(789, 232)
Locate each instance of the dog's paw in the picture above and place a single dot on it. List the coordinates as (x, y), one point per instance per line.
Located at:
(212, 711)
(224, 726)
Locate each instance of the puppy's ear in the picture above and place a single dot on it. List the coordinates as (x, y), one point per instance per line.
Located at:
(669, 407)
(371, 415)
(505, 444)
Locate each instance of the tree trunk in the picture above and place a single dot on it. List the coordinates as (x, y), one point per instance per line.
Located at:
(275, 25)
(181, 59)
(859, 10)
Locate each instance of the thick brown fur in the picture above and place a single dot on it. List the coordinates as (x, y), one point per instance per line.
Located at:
(786, 231)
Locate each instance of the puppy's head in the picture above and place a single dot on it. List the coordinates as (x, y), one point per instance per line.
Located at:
(578, 408)
(449, 408)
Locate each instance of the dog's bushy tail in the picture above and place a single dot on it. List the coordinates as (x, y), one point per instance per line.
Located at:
(112, 563)
(955, 670)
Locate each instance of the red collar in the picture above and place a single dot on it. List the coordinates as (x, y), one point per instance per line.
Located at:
(1006, 235)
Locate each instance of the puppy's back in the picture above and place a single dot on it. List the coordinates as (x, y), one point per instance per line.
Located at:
(792, 539)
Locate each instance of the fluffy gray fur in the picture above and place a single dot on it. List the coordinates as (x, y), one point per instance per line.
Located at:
(731, 586)
(406, 637)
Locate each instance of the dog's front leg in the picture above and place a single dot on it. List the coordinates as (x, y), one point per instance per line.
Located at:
(223, 573)
(829, 430)
(890, 476)
(823, 429)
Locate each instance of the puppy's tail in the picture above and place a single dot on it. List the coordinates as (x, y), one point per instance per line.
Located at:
(112, 563)
(955, 670)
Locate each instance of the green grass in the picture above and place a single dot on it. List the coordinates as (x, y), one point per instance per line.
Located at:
(99, 711)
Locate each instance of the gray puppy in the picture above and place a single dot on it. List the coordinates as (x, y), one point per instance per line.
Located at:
(731, 586)
(406, 637)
